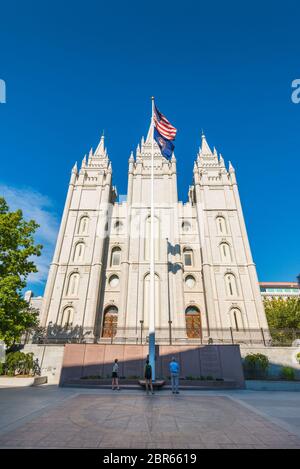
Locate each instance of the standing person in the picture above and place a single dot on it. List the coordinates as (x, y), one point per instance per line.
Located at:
(148, 377)
(174, 370)
(115, 375)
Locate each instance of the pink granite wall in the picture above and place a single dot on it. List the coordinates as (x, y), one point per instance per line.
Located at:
(218, 361)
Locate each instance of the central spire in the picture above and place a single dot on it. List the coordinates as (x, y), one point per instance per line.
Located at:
(101, 150)
(205, 149)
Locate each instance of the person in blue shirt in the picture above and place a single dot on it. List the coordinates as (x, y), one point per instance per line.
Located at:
(174, 370)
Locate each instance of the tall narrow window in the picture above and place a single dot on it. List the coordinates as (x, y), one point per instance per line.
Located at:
(79, 252)
(221, 225)
(231, 285)
(188, 257)
(236, 319)
(225, 252)
(73, 284)
(115, 257)
(67, 317)
(83, 226)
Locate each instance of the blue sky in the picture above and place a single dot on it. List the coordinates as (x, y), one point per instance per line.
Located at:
(75, 68)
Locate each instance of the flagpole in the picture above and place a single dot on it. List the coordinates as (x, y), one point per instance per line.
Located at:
(152, 261)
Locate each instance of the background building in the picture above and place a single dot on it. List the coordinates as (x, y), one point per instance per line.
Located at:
(271, 290)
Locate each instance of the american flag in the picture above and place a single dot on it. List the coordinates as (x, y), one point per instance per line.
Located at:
(163, 126)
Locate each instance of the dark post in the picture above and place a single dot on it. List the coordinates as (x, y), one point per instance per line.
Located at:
(169, 304)
(231, 333)
(112, 332)
(170, 332)
(263, 336)
(142, 324)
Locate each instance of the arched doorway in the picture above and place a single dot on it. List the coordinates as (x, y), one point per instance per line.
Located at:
(193, 322)
(110, 321)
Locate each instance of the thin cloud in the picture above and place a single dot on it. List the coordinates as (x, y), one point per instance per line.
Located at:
(38, 207)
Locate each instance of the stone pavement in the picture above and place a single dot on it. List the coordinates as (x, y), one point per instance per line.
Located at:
(116, 420)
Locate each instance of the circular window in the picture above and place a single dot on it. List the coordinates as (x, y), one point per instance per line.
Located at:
(114, 281)
(190, 281)
(186, 226)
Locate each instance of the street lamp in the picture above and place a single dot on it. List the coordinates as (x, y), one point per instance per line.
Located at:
(170, 332)
(142, 324)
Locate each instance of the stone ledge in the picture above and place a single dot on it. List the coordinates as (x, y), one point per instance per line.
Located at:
(16, 382)
(134, 384)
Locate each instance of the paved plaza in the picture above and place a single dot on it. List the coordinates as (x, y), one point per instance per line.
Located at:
(49, 417)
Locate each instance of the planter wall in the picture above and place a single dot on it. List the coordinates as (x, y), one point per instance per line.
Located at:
(16, 382)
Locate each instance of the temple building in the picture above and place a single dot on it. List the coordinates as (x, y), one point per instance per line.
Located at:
(206, 284)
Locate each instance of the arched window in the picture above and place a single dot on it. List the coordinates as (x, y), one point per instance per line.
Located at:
(193, 322)
(186, 226)
(148, 238)
(73, 284)
(236, 319)
(221, 225)
(67, 317)
(225, 252)
(79, 252)
(190, 281)
(114, 281)
(188, 257)
(110, 321)
(147, 296)
(83, 226)
(118, 226)
(231, 286)
(115, 257)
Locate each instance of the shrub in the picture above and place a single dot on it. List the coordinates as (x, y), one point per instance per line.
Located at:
(298, 357)
(288, 373)
(18, 363)
(256, 365)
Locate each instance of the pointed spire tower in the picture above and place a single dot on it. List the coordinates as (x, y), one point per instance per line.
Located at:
(211, 169)
(205, 157)
(98, 159)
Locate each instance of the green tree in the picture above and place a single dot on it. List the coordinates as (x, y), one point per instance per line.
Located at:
(283, 313)
(283, 317)
(17, 245)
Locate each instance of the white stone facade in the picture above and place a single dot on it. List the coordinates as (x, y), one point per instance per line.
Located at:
(203, 258)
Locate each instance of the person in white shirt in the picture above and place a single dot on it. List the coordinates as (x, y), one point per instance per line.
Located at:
(115, 376)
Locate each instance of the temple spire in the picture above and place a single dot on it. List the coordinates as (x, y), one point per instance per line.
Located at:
(150, 134)
(205, 150)
(101, 150)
